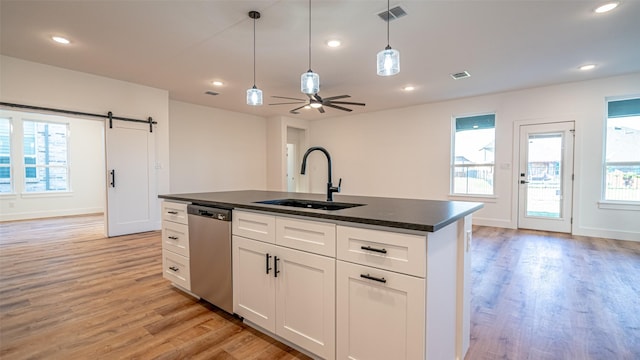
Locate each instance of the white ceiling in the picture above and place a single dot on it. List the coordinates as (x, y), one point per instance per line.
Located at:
(182, 46)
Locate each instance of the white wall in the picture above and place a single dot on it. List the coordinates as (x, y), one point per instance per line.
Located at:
(30, 83)
(216, 150)
(406, 152)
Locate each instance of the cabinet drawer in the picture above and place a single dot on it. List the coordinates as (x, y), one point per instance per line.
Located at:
(173, 211)
(175, 238)
(176, 269)
(403, 253)
(312, 236)
(254, 226)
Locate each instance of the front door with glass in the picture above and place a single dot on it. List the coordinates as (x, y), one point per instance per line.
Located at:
(545, 178)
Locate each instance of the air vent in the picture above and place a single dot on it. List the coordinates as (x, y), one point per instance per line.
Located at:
(392, 14)
(460, 75)
(213, 93)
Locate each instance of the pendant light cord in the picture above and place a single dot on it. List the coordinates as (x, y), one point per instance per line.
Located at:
(254, 52)
(388, 21)
(309, 35)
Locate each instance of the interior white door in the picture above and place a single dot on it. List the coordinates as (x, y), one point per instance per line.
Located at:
(546, 176)
(296, 142)
(131, 184)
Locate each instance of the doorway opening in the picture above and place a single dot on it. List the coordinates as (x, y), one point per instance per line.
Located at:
(296, 145)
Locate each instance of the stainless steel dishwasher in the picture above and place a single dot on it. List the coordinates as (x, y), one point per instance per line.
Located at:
(210, 255)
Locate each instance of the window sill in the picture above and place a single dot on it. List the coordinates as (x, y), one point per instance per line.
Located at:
(483, 198)
(619, 205)
(47, 194)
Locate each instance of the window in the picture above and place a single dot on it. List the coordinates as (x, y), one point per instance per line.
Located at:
(622, 151)
(473, 155)
(6, 185)
(45, 153)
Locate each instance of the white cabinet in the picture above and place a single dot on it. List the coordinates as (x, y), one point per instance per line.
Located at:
(175, 244)
(397, 295)
(286, 291)
(380, 314)
(348, 292)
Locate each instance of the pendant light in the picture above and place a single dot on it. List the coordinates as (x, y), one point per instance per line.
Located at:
(310, 81)
(388, 59)
(254, 95)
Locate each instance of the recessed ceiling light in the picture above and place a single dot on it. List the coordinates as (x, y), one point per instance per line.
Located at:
(61, 40)
(606, 7)
(587, 67)
(333, 43)
(217, 83)
(408, 88)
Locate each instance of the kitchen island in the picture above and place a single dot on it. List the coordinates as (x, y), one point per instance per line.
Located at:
(388, 278)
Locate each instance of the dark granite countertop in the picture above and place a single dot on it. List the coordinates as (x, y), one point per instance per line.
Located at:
(421, 215)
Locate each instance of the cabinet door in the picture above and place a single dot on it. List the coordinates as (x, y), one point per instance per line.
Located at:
(305, 301)
(253, 282)
(379, 319)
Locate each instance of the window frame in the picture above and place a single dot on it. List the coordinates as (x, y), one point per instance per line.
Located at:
(9, 165)
(36, 165)
(454, 167)
(614, 203)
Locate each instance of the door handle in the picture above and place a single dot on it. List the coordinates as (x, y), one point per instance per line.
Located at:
(267, 261)
(275, 266)
(113, 178)
(524, 182)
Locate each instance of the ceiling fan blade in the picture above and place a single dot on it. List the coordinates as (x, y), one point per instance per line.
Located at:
(284, 97)
(321, 110)
(337, 107)
(295, 111)
(330, 98)
(288, 103)
(346, 103)
(316, 97)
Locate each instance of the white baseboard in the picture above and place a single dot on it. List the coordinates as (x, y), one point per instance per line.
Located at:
(607, 233)
(49, 213)
(493, 222)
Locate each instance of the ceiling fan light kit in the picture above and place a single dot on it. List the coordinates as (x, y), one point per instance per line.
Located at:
(388, 59)
(254, 95)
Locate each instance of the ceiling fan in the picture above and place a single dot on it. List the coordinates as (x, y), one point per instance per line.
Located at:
(317, 102)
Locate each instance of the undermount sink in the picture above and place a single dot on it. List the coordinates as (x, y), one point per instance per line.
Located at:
(310, 204)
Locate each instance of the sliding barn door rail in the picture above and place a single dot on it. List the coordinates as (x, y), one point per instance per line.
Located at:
(71, 112)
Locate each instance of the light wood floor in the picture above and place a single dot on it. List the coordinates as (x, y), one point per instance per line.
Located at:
(66, 292)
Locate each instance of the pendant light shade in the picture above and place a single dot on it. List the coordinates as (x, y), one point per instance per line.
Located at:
(310, 81)
(388, 62)
(254, 95)
(388, 59)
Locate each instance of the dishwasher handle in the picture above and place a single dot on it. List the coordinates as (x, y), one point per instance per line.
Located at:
(209, 212)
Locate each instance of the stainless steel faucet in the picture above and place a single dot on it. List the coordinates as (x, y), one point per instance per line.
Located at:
(330, 188)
